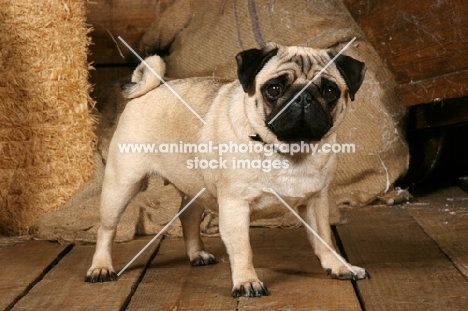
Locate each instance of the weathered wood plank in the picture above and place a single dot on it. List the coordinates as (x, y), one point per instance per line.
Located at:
(287, 264)
(64, 288)
(444, 217)
(171, 283)
(283, 259)
(111, 19)
(22, 265)
(408, 270)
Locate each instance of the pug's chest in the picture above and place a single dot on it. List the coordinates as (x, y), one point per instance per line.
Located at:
(271, 203)
(299, 179)
(297, 189)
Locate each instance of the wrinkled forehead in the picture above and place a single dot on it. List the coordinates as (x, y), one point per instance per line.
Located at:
(301, 62)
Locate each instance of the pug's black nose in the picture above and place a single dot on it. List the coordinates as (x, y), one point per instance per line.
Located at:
(304, 99)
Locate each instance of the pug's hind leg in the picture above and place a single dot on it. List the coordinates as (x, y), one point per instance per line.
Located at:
(191, 219)
(119, 187)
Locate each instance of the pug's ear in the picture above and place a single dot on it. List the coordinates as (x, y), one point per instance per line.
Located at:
(351, 70)
(250, 62)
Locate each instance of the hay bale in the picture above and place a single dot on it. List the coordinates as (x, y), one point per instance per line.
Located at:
(46, 129)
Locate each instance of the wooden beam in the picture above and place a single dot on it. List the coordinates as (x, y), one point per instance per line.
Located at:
(453, 85)
(438, 114)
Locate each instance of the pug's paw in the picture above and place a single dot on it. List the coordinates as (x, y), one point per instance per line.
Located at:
(203, 259)
(343, 273)
(100, 275)
(249, 289)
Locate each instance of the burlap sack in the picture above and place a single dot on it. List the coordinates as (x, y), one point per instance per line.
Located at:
(201, 38)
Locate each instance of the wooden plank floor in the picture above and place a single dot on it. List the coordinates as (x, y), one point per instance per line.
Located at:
(417, 255)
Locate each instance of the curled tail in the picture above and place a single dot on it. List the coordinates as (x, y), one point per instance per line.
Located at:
(144, 79)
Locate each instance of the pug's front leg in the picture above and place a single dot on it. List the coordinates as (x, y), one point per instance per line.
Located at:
(316, 214)
(234, 222)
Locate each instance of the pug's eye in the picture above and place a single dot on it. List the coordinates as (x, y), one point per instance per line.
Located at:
(330, 93)
(274, 91)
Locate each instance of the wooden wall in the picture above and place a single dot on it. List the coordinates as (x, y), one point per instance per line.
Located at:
(423, 42)
(110, 19)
